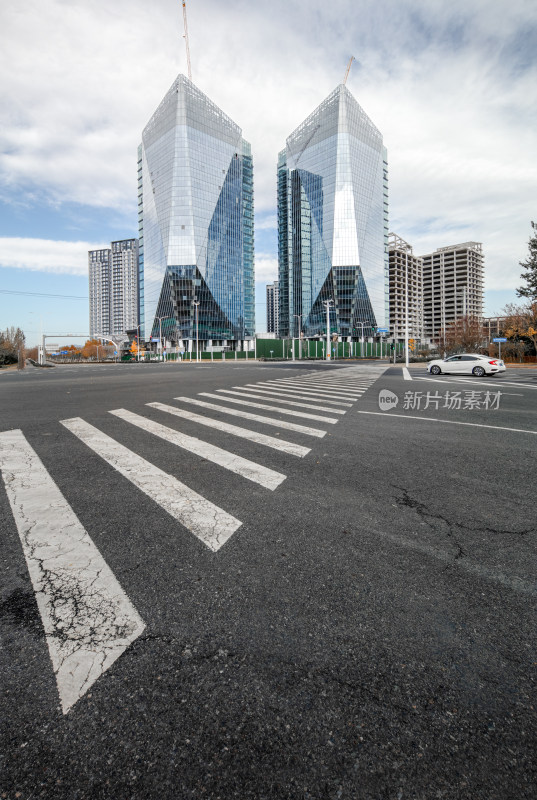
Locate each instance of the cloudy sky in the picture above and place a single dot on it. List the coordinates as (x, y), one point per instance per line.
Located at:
(452, 86)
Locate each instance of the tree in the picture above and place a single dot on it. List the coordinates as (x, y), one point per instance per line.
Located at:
(463, 335)
(90, 349)
(530, 267)
(12, 346)
(134, 347)
(521, 322)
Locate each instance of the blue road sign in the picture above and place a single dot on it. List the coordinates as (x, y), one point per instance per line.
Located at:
(382, 330)
(499, 339)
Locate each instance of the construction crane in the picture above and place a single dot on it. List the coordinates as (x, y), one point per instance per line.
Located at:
(351, 59)
(185, 37)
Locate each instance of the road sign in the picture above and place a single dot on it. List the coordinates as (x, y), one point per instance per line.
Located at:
(382, 330)
(499, 339)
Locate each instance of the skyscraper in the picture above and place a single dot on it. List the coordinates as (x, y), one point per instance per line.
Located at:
(333, 221)
(113, 288)
(452, 286)
(273, 313)
(195, 185)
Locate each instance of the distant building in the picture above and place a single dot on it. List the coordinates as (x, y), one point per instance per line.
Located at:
(406, 289)
(273, 312)
(452, 286)
(493, 326)
(195, 201)
(333, 221)
(113, 288)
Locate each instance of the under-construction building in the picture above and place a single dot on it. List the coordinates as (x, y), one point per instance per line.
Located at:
(406, 290)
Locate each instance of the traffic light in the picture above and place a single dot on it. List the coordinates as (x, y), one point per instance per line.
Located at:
(392, 346)
(373, 328)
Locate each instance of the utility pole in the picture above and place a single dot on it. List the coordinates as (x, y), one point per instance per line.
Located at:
(327, 304)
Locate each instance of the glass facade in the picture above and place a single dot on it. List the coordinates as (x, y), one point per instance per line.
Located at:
(333, 221)
(195, 179)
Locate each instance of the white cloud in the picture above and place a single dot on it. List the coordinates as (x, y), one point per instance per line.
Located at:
(451, 87)
(44, 255)
(266, 269)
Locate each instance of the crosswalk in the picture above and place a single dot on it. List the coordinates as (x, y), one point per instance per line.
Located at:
(87, 617)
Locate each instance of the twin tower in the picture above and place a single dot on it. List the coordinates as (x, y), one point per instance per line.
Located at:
(196, 223)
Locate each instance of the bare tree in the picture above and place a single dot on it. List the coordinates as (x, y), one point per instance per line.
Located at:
(465, 334)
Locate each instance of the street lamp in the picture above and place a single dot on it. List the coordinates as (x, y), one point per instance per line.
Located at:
(327, 304)
(160, 334)
(362, 338)
(196, 303)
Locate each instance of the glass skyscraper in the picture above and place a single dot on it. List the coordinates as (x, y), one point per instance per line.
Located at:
(333, 222)
(195, 201)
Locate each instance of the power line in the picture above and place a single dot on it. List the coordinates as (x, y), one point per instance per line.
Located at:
(41, 294)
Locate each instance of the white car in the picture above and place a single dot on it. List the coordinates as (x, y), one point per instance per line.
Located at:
(467, 364)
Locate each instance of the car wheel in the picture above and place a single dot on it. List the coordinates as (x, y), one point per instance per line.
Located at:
(478, 372)
(435, 370)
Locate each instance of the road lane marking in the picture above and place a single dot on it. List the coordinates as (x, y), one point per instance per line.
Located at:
(259, 438)
(210, 524)
(287, 411)
(473, 381)
(446, 421)
(277, 423)
(406, 374)
(88, 619)
(256, 473)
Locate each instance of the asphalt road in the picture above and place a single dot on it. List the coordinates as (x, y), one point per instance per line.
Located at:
(345, 613)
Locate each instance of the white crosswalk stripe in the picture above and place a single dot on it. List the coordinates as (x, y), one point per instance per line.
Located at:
(278, 423)
(88, 619)
(321, 393)
(295, 394)
(210, 524)
(287, 411)
(260, 438)
(245, 393)
(240, 466)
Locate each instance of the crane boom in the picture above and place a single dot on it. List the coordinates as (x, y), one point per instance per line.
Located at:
(351, 59)
(185, 37)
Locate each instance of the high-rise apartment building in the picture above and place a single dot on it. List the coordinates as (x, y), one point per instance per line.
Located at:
(406, 290)
(273, 312)
(195, 187)
(452, 286)
(333, 221)
(113, 288)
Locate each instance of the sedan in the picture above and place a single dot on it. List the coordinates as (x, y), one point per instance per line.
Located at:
(467, 364)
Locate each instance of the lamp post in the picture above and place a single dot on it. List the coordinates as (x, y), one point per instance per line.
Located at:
(196, 303)
(327, 304)
(361, 338)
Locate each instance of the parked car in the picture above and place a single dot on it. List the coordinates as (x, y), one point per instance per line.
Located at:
(466, 364)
